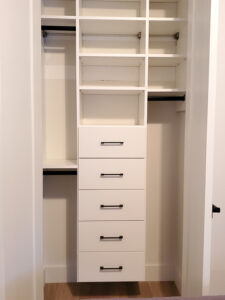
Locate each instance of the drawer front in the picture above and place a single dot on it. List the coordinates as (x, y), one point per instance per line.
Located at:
(112, 236)
(112, 142)
(111, 205)
(112, 174)
(91, 266)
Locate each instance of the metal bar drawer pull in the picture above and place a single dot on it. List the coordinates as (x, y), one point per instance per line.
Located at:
(120, 268)
(112, 175)
(111, 237)
(111, 206)
(112, 143)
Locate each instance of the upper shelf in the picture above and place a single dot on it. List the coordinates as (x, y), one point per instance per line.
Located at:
(60, 164)
(58, 20)
(165, 60)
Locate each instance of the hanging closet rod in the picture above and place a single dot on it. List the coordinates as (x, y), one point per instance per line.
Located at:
(166, 98)
(175, 36)
(59, 172)
(46, 28)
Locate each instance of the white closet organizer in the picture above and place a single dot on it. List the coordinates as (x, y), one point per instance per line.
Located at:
(96, 90)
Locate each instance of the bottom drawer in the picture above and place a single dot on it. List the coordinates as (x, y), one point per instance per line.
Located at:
(111, 266)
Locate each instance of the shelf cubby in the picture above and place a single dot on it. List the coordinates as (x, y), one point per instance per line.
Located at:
(112, 72)
(59, 7)
(113, 8)
(112, 36)
(116, 108)
(168, 9)
(167, 78)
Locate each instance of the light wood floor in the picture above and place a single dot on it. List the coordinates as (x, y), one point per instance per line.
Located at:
(76, 291)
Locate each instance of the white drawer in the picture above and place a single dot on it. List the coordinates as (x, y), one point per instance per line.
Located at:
(112, 174)
(99, 205)
(112, 142)
(112, 236)
(91, 263)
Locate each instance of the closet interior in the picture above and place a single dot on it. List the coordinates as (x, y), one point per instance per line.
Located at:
(105, 64)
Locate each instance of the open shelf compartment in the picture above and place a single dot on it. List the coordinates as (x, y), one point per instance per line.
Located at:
(58, 7)
(113, 108)
(112, 36)
(112, 72)
(168, 9)
(113, 8)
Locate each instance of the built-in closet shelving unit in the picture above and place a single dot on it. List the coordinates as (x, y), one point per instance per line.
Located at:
(119, 55)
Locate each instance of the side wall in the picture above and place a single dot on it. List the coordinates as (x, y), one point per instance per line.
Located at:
(21, 211)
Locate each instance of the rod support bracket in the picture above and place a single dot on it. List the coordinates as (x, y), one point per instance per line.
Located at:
(177, 36)
(139, 35)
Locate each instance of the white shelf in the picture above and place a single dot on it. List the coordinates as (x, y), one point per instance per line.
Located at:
(165, 19)
(58, 20)
(111, 88)
(165, 60)
(164, 92)
(110, 55)
(96, 18)
(55, 17)
(60, 164)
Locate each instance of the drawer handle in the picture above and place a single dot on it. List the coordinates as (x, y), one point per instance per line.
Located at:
(111, 206)
(120, 268)
(112, 143)
(111, 175)
(111, 237)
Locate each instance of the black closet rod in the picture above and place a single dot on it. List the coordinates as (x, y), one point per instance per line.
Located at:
(166, 98)
(59, 172)
(46, 28)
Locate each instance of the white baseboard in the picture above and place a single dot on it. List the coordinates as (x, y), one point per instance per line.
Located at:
(160, 272)
(59, 274)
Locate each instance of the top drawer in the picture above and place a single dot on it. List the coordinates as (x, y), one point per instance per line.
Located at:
(107, 142)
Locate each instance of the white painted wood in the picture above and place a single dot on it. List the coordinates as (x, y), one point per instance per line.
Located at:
(110, 72)
(132, 232)
(217, 268)
(122, 107)
(199, 150)
(20, 154)
(133, 171)
(132, 263)
(58, 7)
(130, 205)
(59, 103)
(60, 164)
(94, 142)
(113, 36)
(113, 8)
(165, 60)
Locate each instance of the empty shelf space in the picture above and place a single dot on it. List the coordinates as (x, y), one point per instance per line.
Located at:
(165, 26)
(60, 164)
(167, 9)
(166, 60)
(112, 36)
(167, 78)
(112, 73)
(112, 109)
(111, 8)
(58, 7)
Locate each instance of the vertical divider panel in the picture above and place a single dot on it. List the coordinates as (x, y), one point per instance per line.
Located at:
(78, 118)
